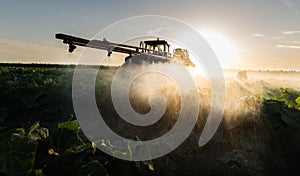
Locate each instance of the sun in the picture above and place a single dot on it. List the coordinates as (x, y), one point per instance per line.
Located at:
(223, 47)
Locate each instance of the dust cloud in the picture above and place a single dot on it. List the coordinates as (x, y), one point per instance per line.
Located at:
(241, 101)
(243, 135)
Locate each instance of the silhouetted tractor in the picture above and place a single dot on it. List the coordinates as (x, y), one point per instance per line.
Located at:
(151, 51)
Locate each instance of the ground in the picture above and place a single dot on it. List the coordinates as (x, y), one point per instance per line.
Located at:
(259, 133)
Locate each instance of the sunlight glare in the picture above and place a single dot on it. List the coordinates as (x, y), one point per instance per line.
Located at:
(222, 46)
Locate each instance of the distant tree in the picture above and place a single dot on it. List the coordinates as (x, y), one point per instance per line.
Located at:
(242, 75)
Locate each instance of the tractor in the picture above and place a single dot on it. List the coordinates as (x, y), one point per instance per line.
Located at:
(150, 51)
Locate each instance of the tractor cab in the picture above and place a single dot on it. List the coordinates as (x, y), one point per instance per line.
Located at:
(156, 47)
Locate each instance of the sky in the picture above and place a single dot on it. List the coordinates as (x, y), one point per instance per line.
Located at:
(256, 34)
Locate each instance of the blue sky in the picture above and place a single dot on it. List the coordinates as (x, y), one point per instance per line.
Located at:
(266, 33)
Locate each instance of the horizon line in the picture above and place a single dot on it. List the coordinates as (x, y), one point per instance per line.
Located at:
(93, 65)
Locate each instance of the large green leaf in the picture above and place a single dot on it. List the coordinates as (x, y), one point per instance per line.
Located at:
(63, 138)
(70, 125)
(17, 153)
(298, 101)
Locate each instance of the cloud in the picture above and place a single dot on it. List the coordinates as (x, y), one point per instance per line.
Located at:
(288, 46)
(290, 32)
(85, 18)
(258, 35)
(296, 42)
(154, 31)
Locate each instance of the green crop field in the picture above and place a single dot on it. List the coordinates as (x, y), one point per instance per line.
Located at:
(259, 134)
